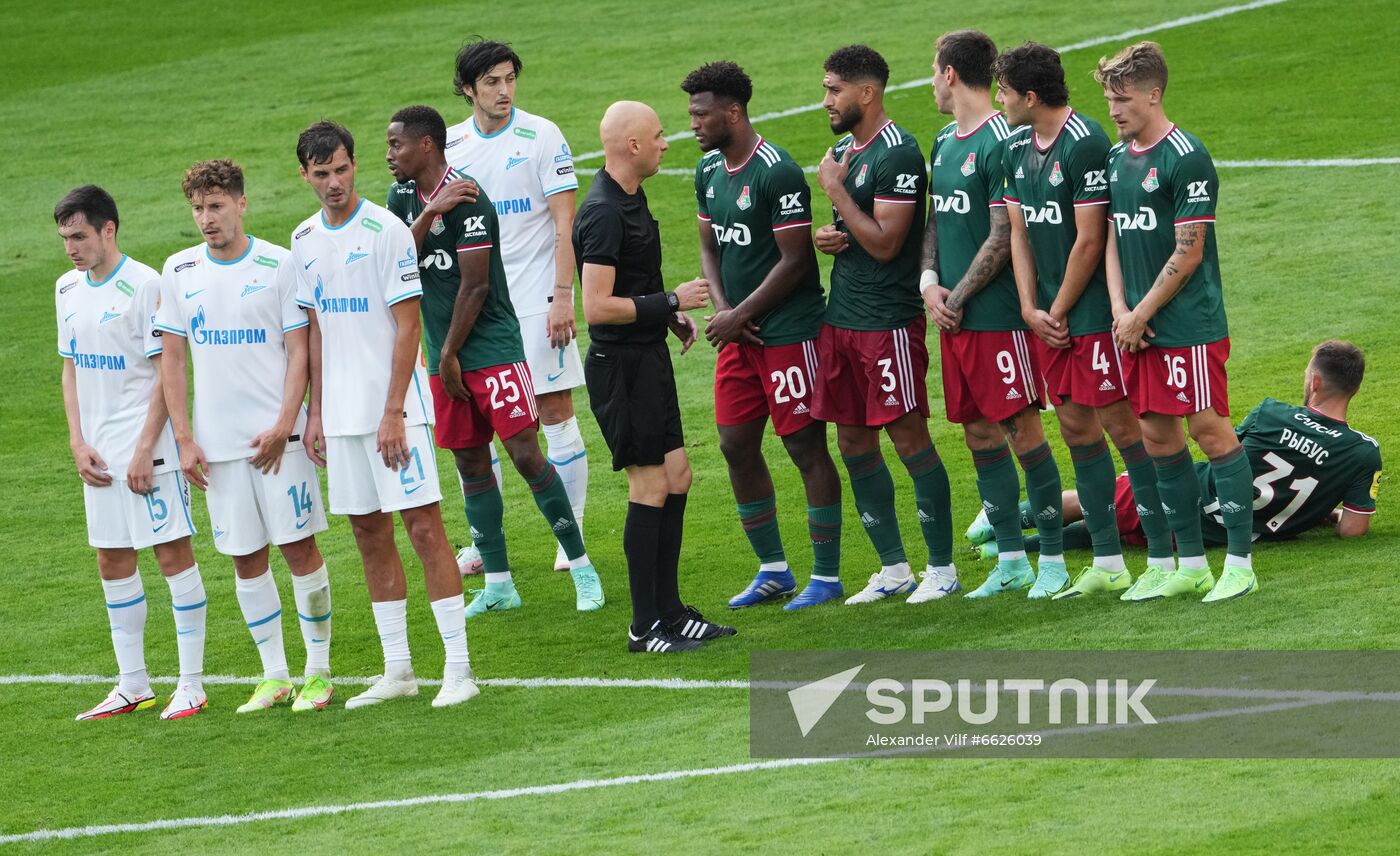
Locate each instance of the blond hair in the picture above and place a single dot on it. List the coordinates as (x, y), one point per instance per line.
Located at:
(1141, 65)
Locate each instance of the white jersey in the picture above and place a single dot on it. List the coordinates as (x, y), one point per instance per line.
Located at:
(105, 329)
(520, 167)
(233, 314)
(350, 275)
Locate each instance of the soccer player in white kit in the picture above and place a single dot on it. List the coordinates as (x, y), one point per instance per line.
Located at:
(371, 409)
(525, 167)
(231, 302)
(124, 449)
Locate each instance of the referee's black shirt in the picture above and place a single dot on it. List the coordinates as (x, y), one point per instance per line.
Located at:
(615, 228)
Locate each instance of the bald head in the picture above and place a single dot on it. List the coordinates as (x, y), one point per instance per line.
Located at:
(633, 141)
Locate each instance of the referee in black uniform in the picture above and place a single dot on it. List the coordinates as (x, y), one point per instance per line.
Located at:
(631, 386)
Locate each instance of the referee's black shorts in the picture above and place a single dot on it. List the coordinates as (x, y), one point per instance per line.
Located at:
(632, 392)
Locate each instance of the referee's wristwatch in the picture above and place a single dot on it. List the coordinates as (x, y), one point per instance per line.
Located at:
(673, 301)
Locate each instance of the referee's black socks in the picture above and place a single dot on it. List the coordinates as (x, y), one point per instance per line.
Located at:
(668, 557)
(641, 535)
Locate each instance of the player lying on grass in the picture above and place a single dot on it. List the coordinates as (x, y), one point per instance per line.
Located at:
(1307, 461)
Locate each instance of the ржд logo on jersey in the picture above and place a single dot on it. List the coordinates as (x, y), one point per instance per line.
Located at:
(737, 234)
(1050, 213)
(1145, 220)
(958, 203)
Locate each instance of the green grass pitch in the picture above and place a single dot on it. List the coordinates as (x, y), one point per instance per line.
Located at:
(128, 95)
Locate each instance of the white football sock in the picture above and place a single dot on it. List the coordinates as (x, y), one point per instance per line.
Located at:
(126, 613)
(498, 576)
(391, 617)
(262, 611)
(564, 448)
(898, 571)
(1194, 563)
(1060, 559)
(1110, 563)
(451, 615)
(189, 605)
(772, 567)
(1239, 561)
(1167, 563)
(313, 596)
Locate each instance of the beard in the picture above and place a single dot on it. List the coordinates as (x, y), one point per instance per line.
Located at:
(846, 120)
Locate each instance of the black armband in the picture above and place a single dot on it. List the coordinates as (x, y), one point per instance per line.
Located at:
(653, 308)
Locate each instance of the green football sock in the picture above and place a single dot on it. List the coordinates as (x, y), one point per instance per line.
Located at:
(1043, 493)
(1181, 500)
(1000, 489)
(934, 500)
(484, 512)
(1234, 487)
(824, 528)
(873, 489)
(1142, 475)
(1093, 479)
(760, 521)
(553, 502)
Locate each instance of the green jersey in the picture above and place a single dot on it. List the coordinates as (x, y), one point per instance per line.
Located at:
(744, 208)
(967, 180)
(494, 339)
(1305, 464)
(1050, 184)
(867, 294)
(1152, 191)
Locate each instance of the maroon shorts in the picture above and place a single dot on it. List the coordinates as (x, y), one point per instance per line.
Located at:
(870, 377)
(1178, 381)
(501, 402)
(754, 381)
(1125, 509)
(1088, 372)
(989, 375)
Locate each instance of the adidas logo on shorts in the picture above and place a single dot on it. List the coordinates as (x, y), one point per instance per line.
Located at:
(1181, 396)
(891, 402)
(1012, 394)
(516, 412)
(800, 409)
(1107, 386)
(561, 525)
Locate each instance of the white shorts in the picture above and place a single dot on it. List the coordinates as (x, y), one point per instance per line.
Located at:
(359, 483)
(249, 509)
(553, 369)
(116, 517)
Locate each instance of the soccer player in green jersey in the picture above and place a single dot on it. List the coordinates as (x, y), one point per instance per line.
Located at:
(1056, 196)
(1169, 319)
(991, 376)
(871, 356)
(476, 362)
(755, 213)
(1310, 467)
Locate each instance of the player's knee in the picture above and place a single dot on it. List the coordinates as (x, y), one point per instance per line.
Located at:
(525, 454)
(302, 556)
(739, 451)
(678, 479)
(555, 407)
(115, 564)
(174, 556)
(424, 528)
(472, 463)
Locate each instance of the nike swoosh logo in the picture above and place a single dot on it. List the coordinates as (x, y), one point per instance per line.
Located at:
(413, 489)
(70, 317)
(190, 294)
(553, 377)
(185, 632)
(1005, 583)
(161, 526)
(303, 523)
(308, 265)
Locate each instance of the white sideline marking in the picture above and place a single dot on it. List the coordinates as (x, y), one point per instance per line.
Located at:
(93, 831)
(1304, 695)
(925, 81)
(1292, 163)
(360, 681)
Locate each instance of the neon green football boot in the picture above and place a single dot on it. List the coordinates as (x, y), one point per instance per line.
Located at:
(315, 694)
(1092, 580)
(268, 693)
(1235, 581)
(1197, 581)
(1149, 580)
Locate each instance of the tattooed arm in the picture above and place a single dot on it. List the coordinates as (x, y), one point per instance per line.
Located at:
(988, 262)
(1130, 329)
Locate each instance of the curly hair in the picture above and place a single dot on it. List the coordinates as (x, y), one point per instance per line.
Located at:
(1033, 67)
(1141, 65)
(858, 62)
(722, 79)
(421, 121)
(210, 175)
